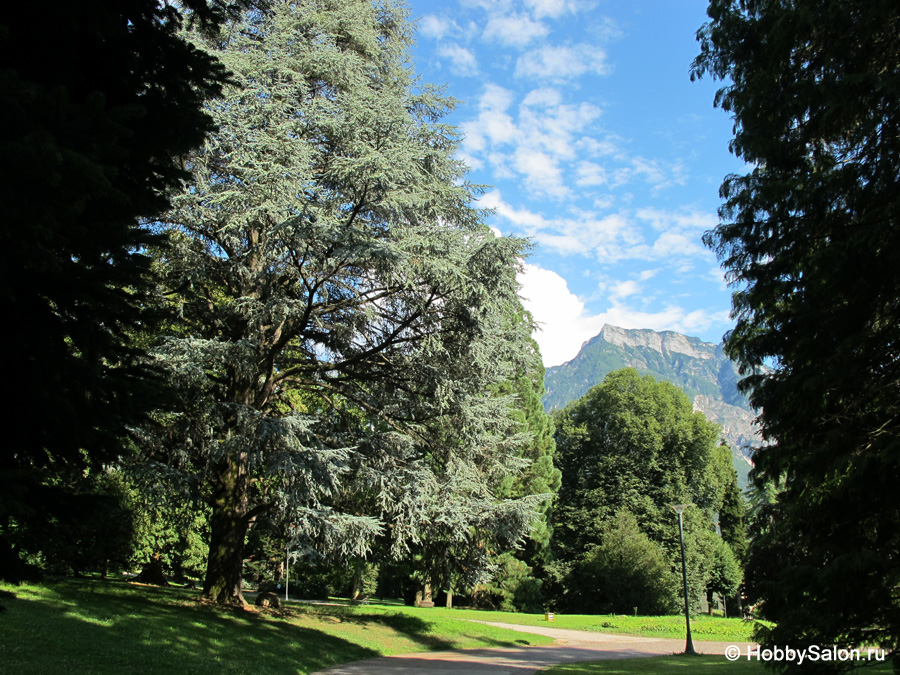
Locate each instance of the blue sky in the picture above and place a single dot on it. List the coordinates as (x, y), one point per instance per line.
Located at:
(581, 116)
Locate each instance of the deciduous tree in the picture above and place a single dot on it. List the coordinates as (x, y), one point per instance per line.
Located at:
(634, 444)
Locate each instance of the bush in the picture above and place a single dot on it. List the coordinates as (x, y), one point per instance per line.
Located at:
(625, 571)
(512, 589)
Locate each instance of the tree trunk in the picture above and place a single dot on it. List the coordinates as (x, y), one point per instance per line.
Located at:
(152, 572)
(228, 529)
(357, 587)
(449, 598)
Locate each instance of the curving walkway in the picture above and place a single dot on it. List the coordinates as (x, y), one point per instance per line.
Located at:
(571, 646)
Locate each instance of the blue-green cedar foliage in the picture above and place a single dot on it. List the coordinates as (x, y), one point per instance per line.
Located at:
(341, 302)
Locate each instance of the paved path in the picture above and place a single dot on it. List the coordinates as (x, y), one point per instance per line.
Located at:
(571, 646)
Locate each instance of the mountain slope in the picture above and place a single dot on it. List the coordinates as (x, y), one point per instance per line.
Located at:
(700, 368)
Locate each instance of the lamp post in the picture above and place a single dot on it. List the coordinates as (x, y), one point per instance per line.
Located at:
(689, 643)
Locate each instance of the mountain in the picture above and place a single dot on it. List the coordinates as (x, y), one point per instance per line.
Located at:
(700, 368)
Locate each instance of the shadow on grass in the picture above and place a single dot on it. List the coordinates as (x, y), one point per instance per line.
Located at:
(417, 629)
(99, 627)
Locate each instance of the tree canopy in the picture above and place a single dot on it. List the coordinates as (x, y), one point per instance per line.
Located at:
(342, 307)
(634, 447)
(808, 237)
(98, 99)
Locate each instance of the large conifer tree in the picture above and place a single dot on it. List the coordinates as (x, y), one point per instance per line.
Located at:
(97, 100)
(342, 304)
(809, 237)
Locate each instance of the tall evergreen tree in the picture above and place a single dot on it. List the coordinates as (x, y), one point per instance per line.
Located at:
(98, 99)
(733, 517)
(342, 303)
(541, 477)
(809, 238)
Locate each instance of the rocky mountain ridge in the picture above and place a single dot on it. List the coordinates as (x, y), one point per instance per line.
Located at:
(699, 368)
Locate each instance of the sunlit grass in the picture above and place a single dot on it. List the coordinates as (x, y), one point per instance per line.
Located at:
(92, 626)
(703, 627)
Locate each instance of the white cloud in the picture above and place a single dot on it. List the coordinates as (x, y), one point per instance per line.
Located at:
(514, 30)
(562, 63)
(670, 237)
(551, 8)
(610, 238)
(623, 289)
(498, 6)
(533, 141)
(680, 233)
(600, 148)
(462, 60)
(520, 217)
(590, 174)
(685, 220)
(542, 173)
(565, 324)
(606, 30)
(657, 174)
(546, 96)
(434, 26)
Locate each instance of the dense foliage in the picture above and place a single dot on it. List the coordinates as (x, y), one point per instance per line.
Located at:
(626, 571)
(97, 100)
(540, 477)
(342, 307)
(809, 237)
(629, 450)
(702, 370)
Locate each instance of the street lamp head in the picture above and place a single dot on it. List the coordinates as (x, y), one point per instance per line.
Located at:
(679, 508)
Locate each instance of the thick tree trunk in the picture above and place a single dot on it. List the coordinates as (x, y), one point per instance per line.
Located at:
(152, 572)
(228, 529)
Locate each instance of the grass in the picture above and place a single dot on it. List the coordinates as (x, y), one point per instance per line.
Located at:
(93, 626)
(677, 665)
(703, 627)
(662, 665)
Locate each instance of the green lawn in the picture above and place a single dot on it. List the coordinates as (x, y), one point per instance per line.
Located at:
(703, 627)
(92, 626)
(663, 665)
(678, 665)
